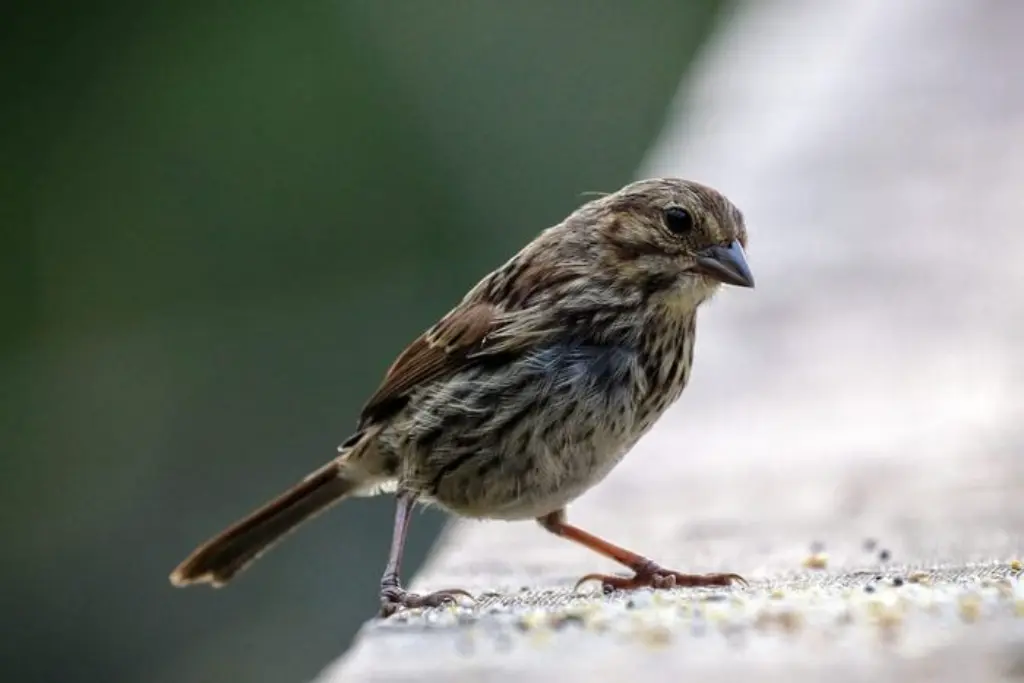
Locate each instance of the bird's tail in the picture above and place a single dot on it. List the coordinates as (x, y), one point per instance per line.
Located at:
(218, 560)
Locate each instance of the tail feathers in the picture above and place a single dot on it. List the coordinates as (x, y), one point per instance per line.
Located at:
(218, 560)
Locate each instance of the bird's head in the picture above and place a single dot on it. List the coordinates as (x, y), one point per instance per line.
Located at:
(668, 235)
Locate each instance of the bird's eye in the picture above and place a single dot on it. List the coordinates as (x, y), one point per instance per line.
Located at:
(678, 220)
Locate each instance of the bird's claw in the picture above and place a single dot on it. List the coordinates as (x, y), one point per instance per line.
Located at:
(658, 578)
(393, 599)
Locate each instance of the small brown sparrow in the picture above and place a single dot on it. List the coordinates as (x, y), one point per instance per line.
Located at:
(532, 388)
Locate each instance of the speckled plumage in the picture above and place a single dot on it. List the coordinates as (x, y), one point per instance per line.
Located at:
(538, 382)
(522, 432)
(527, 440)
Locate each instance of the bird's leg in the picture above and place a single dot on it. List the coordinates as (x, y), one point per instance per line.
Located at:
(646, 572)
(392, 596)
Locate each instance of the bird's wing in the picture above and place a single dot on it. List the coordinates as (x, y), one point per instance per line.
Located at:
(474, 330)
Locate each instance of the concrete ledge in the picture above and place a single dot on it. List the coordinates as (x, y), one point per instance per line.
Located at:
(871, 387)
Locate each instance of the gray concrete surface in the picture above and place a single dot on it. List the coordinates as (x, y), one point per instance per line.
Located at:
(869, 388)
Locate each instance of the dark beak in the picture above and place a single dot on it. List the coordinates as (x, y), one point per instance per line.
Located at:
(726, 264)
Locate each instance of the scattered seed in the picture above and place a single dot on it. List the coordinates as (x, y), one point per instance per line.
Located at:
(533, 620)
(789, 620)
(564, 620)
(920, 577)
(970, 608)
(656, 637)
(818, 560)
(889, 622)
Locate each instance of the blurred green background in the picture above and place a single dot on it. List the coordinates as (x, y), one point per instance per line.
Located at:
(220, 223)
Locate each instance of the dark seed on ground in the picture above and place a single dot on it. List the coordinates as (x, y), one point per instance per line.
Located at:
(567, 619)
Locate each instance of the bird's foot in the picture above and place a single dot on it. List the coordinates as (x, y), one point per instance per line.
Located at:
(651, 575)
(395, 598)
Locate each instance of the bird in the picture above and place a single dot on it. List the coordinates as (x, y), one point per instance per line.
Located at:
(531, 389)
